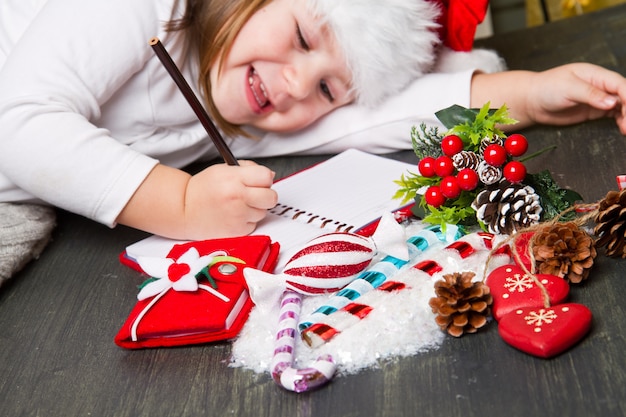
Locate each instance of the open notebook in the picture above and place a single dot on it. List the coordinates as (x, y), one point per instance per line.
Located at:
(344, 193)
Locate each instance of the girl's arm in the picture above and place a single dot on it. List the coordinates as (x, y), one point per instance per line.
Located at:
(219, 201)
(563, 95)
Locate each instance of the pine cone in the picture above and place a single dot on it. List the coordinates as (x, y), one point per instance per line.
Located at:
(466, 159)
(489, 140)
(505, 207)
(489, 174)
(564, 250)
(462, 306)
(611, 223)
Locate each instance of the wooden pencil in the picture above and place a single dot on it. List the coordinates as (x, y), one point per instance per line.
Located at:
(193, 101)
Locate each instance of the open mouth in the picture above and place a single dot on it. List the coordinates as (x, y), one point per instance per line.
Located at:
(258, 89)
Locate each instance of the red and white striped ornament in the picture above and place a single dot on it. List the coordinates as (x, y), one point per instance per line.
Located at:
(328, 262)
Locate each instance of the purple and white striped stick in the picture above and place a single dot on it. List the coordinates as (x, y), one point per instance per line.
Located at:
(283, 371)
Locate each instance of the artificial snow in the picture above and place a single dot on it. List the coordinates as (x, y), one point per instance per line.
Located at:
(400, 324)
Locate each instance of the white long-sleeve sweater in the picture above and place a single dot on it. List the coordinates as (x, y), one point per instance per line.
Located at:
(87, 109)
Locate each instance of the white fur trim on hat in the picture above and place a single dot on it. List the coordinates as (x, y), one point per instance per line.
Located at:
(484, 60)
(387, 43)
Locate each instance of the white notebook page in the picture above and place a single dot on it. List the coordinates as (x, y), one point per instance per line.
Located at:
(353, 188)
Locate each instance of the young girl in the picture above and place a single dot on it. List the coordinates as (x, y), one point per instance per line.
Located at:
(91, 122)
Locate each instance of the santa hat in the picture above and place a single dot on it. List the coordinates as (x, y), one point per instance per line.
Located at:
(389, 43)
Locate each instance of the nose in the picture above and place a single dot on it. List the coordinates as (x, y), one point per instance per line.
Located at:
(300, 79)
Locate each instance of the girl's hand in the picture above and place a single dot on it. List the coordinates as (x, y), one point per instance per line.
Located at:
(564, 95)
(220, 201)
(225, 200)
(575, 93)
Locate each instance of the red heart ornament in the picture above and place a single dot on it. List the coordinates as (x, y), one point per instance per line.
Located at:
(521, 247)
(545, 332)
(511, 289)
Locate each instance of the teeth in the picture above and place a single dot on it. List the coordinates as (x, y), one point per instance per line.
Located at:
(260, 100)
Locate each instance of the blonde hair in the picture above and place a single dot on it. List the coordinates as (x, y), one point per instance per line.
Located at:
(211, 28)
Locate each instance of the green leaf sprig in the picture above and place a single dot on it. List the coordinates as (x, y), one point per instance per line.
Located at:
(473, 125)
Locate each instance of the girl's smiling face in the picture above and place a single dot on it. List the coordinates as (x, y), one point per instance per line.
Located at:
(283, 72)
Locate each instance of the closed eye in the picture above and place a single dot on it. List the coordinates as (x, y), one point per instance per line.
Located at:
(326, 91)
(305, 46)
(301, 41)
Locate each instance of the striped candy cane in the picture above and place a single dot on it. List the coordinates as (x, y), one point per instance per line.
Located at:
(377, 274)
(283, 371)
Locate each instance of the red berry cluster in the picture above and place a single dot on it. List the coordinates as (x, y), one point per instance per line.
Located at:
(467, 179)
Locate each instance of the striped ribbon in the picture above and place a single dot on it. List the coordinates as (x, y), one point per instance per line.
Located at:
(328, 321)
(377, 274)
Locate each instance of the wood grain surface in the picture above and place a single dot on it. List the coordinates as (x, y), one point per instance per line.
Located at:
(59, 315)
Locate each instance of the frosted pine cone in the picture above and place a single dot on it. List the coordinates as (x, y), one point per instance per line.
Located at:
(489, 174)
(486, 141)
(564, 250)
(611, 223)
(462, 306)
(466, 159)
(506, 208)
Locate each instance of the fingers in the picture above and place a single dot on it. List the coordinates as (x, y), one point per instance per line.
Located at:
(609, 92)
(257, 180)
(254, 175)
(605, 89)
(620, 118)
(261, 198)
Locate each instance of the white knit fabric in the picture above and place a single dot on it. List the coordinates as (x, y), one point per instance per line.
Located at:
(25, 230)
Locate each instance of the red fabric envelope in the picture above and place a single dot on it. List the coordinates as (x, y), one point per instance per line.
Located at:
(175, 318)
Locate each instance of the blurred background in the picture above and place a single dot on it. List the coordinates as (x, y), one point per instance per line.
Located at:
(509, 15)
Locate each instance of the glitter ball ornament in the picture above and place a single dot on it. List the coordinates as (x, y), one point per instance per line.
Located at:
(564, 250)
(461, 306)
(611, 223)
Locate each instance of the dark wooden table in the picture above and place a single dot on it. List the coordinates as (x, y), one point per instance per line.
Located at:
(58, 316)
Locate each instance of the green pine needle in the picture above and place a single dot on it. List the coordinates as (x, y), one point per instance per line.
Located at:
(426, 141)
